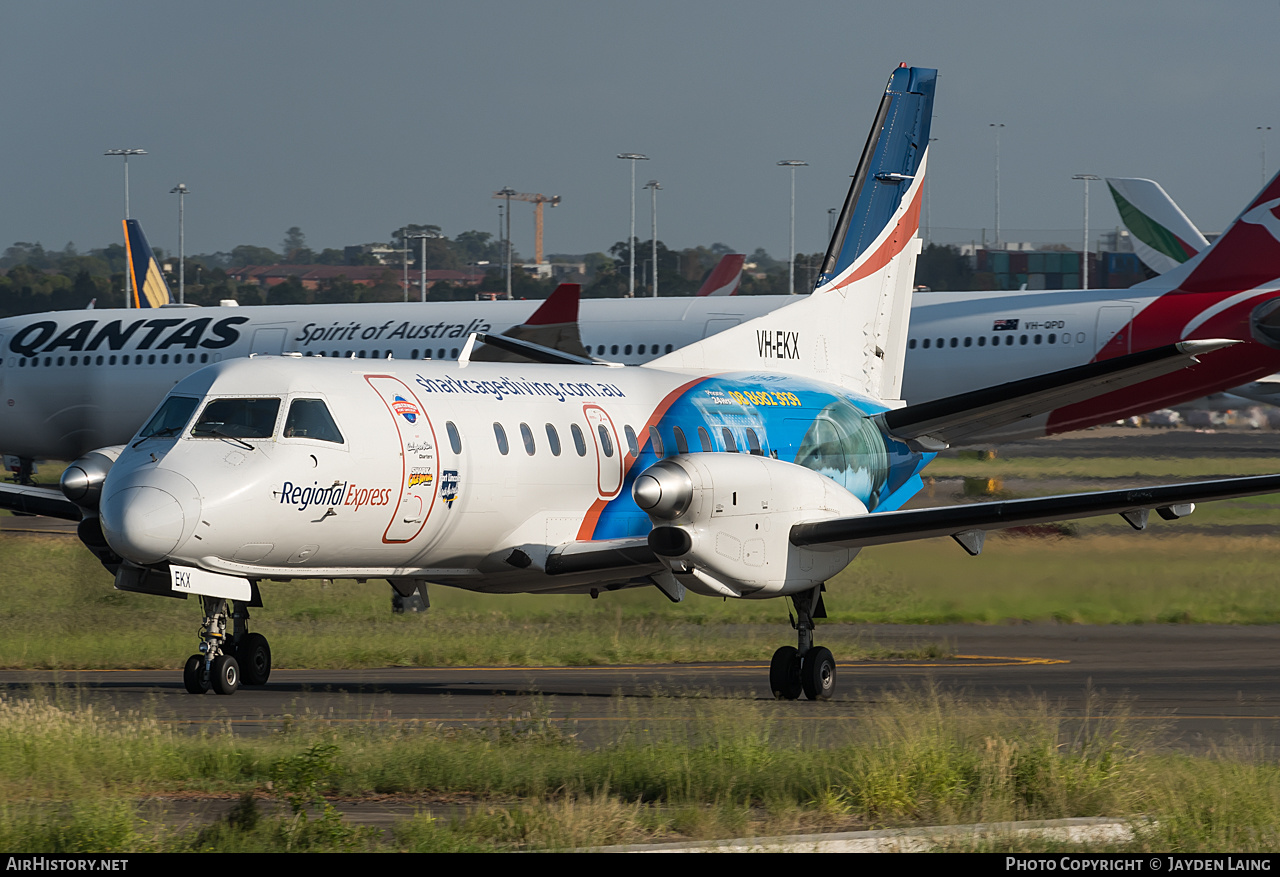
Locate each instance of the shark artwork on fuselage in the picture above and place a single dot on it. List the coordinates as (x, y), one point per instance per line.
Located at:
(720, 469)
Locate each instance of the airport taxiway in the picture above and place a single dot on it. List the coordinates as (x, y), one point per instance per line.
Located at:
(1200, 685)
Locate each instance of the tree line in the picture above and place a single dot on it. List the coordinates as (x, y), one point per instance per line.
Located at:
(34, 279)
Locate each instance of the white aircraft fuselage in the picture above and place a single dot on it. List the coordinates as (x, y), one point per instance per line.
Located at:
(432, 465)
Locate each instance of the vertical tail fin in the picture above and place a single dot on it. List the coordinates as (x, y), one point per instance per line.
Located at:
(149, 288)
(852, 330)
(1163, 236)
(725, 277)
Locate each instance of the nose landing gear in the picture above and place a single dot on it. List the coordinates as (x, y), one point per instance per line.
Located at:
(218, 666)
(804, 669)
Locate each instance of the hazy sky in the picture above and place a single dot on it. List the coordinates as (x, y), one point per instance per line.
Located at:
(351, 119)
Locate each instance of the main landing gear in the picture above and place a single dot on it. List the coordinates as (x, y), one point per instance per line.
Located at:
(224, 664)
(804, 669)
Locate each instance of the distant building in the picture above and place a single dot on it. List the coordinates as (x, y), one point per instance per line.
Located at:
(315, 276)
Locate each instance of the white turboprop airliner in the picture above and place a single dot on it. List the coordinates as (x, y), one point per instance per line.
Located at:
(752, 464)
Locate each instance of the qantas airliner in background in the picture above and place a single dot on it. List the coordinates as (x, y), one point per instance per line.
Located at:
(752, 464)
(73, 381)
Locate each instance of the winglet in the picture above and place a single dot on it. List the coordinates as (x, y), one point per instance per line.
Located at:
(560, 307)
(553, 325)
(725, 277)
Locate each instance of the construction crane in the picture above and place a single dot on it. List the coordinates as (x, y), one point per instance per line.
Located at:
(537, 201)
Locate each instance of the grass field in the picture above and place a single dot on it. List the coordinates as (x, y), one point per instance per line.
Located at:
(74, 779)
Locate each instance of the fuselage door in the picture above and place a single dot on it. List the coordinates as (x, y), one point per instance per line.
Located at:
(609, 454)
(268, 342)
(1115, 323)
(419, 460)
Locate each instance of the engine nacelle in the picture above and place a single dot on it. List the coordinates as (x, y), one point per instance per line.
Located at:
(722, 522)
(82, 480)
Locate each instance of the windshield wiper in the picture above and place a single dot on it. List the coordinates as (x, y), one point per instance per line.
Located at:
(167, 431)
(214, 429)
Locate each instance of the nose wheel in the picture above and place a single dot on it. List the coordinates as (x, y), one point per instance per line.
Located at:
(804, 669)
(226, 662)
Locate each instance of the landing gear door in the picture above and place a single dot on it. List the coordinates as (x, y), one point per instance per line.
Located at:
(608, 453)
(419, 459)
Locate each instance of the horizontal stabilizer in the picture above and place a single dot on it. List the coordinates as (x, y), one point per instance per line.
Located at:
(1170, 500)
(28, 499)
(933, 426)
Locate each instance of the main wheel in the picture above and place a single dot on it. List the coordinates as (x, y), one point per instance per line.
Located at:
(224, 673)
(193, 675)
(254, 655)
(818, 674)
(784, 673)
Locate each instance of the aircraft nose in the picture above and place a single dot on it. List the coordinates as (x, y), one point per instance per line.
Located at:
(144, 521)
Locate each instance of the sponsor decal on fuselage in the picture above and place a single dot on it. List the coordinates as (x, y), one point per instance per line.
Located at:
(420, 476)
(405, 408)
(346, 494)
(424, 450)
(315, 333)
(162, 333)
(504, 387)
(449, 486)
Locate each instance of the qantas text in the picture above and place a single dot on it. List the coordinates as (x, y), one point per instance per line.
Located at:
(163, 333)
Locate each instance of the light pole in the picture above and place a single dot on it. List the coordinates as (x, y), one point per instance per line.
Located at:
(653, 186)
(507, 192)
(831, 221)
(1084, 256)
(128, 269)
(927, 215)
(632, 157)
(1263, 131)
(422, 274)
(404, 260)
(181, 191)
(791, 254)
(997, 126)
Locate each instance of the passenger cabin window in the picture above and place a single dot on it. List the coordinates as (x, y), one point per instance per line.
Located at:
(632, 445)
(753, 442)
(553, 440)
(606, 443)
(729, 444)
(682, 445)
(655, 439)
(500, 435)
(526, 435)
(310, 418)
(579, 442)
(171, 418)
(237, 418)
(455, 440)
(704, 439)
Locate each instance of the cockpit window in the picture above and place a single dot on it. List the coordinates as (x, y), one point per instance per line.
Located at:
(310, 418)
(238, 418)
(171, 418)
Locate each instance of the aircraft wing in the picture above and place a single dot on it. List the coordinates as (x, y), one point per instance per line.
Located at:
(936, 425)
(967, 524)
(601, 555)
(31, 500)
